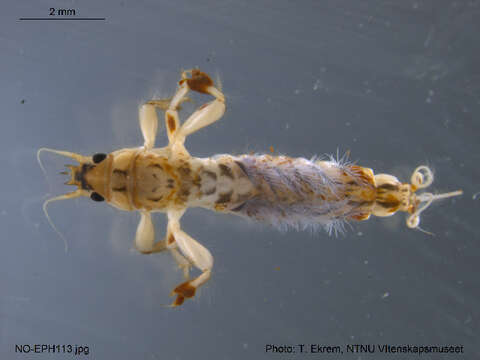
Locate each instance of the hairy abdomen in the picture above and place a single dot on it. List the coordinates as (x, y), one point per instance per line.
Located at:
(300, 193)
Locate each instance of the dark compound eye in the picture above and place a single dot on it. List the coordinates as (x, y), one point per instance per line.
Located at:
(98, 158)
(96, 196)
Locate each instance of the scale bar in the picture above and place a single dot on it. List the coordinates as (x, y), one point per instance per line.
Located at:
(73, 18)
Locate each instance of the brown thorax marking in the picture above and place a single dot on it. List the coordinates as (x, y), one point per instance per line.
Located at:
(150, 181)
(118, 181)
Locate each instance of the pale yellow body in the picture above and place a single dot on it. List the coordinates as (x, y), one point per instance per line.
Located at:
(153, 180)
(170, 180)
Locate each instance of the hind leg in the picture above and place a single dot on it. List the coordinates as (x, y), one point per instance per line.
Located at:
(204, 116)
(193, 252)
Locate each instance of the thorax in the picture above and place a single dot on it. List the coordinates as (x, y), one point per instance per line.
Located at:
(151, 180)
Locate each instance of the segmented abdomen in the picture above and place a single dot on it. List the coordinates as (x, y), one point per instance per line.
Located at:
(301, 193)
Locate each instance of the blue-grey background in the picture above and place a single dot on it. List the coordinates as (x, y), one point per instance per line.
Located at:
(395, 82)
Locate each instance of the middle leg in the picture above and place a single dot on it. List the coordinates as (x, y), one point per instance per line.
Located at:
(148, 118)
(145, 243)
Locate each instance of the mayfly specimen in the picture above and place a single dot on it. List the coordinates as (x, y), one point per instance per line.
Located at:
(278, 190)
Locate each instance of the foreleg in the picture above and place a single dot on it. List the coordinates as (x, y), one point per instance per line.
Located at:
(145, 236)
